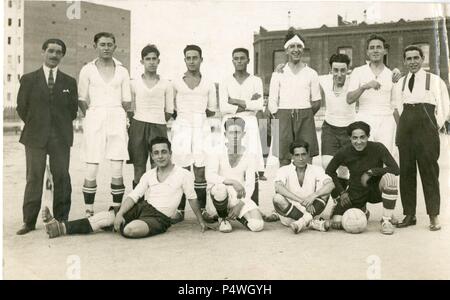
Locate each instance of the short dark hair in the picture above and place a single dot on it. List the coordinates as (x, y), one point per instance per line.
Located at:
(54, 41)
(160, 140)
(375, 37)
(234, 121)
(358, 125)
(241, 50)
(412, 48)
(149, 49)
(290, 34)
(339, 58)
(298, 144)
(192, 47)
(104, 34)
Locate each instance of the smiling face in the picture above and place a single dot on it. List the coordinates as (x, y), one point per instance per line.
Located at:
(359, 139)
(52, 55)
(413, 61)
(150, 62)
(295, 52)
(193, 60)
(339, 72)
(105, 47)
(240, 61)
(300, 158)
(161, 155)
(376, 51)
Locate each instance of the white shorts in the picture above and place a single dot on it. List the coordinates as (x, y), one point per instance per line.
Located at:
(249, 204)
(251, 140)
(382, 129)
(105, 135)
(191, 142)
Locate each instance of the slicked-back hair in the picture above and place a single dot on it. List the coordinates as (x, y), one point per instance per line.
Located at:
(375, 37)
(149, 49)
(193, 47)
(54, 41)
(413, 48)
(104, 34)
(234, 121)
(160, 140)
(243, 50)
(358, 125)
(298, 144)
(339, 58)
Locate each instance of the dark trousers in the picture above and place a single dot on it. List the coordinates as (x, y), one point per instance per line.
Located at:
(418, 143)
(59, 154)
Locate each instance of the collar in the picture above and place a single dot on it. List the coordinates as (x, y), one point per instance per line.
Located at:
(116, 62)
(47, 71)
(418, 74)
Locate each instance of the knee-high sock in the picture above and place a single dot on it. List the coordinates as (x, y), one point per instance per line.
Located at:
(89, 193)
(389, 193)
(80, 226)
(117, 192)
(221, 207)
(255, 195)
(200, 190)
(291, 211)
(319, 206)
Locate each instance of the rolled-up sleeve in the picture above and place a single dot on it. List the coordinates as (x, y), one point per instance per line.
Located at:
(315, 87)
(126, 89)
(83, 84)
(169, 98)
(140, 189)
(274, 93)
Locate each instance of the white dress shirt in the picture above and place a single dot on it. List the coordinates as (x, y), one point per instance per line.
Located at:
(47, 73)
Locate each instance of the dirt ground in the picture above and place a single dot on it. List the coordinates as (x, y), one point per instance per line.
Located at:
(185, 253)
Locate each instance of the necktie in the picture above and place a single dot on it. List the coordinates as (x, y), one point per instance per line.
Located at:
(411, 83)
(51, 81)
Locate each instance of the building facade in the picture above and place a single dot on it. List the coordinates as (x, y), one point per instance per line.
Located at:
(74, 22)
(431, 35)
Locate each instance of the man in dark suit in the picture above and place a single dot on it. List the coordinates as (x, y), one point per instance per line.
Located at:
(47, 104)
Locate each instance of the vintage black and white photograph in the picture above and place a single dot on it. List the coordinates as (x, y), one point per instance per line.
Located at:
(226, 140)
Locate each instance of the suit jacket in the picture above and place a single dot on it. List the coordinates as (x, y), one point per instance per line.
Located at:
(38, 110)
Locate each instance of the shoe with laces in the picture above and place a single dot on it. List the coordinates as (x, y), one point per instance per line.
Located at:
(301, 223)
(387, 227)
(177, 217)
(89, 213)
(320, 224)
(273, 217)
(208, 218)
(224, 225)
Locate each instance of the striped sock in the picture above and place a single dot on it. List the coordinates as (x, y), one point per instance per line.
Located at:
(89, 194)
(221, 207)
(319, 205)
(290, 212)
(117, 191)
(200, 190)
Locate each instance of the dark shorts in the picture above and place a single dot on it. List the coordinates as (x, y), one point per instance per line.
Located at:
(139, 137)
(333, 138)
(294, 124)
(360, 199)
(156, 221)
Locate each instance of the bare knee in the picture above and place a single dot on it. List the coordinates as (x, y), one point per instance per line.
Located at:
(134, 230)
(280, 202)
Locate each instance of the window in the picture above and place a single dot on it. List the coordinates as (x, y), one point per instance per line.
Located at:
(9, 59)
(53, 22)
(18, 59)
(279, 57)
(18, 77)
(10, 3)
(348, 51)
(19, 22)
(426, 53)
(53, 5)
(9, 77)
(9, 40)
(9, 21)
(9, 96)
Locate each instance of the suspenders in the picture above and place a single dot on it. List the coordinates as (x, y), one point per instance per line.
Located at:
(427, 82)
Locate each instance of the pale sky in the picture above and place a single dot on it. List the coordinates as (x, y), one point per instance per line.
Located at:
(220, 26)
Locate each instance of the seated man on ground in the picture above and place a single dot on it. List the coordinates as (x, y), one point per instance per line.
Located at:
(232, 175)
(372, 177)
(163, 186)
(301, 192)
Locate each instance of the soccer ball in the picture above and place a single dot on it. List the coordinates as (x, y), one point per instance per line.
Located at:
(354, 220)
